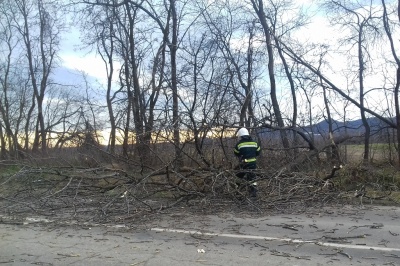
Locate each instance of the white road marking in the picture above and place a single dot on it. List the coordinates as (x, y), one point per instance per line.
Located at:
(29, 220)
(298, 241)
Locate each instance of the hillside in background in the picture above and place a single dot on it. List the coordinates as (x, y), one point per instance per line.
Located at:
(354, 127)
(353, 130)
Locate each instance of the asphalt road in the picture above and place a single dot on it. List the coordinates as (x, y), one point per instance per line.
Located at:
(340, 236)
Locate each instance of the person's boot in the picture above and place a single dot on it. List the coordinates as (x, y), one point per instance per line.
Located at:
(253, 192)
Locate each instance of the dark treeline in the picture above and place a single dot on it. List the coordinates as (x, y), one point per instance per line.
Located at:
(187, 74)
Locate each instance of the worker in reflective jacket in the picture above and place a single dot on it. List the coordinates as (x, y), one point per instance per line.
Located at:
(247, 150)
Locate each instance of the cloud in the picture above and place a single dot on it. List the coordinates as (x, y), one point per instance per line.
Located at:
(75, 56)
(90, 64)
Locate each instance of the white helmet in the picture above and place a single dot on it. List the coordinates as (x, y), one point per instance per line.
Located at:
(243, 132)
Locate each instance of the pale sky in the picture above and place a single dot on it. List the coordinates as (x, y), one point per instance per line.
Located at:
(77, 59)
(74, 58)
(318, 31)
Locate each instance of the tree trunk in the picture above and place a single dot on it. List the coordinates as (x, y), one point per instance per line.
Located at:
(292, 90)
(258, 7)
(361, 66)
(397, 106)
(110, 71)
(142, 148)
(174, 86)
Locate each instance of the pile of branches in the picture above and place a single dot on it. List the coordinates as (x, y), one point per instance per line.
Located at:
(107, 195)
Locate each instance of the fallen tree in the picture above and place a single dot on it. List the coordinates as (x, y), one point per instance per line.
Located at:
(108, 194)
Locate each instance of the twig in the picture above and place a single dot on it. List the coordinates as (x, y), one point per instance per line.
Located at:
(344, 254)
(261, 246)
(392, 256)
(69, 182)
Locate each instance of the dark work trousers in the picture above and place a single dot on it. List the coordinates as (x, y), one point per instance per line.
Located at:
(249, 175)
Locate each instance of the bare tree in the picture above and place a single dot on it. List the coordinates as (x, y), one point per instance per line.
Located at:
(362, 22)
(17, 104)
(282, 29)
(8, 43)
(41, 46)
(388, 31)
(258, 6)
(106, 44)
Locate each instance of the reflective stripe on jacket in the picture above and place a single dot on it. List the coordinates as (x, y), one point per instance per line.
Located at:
(247, 149)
